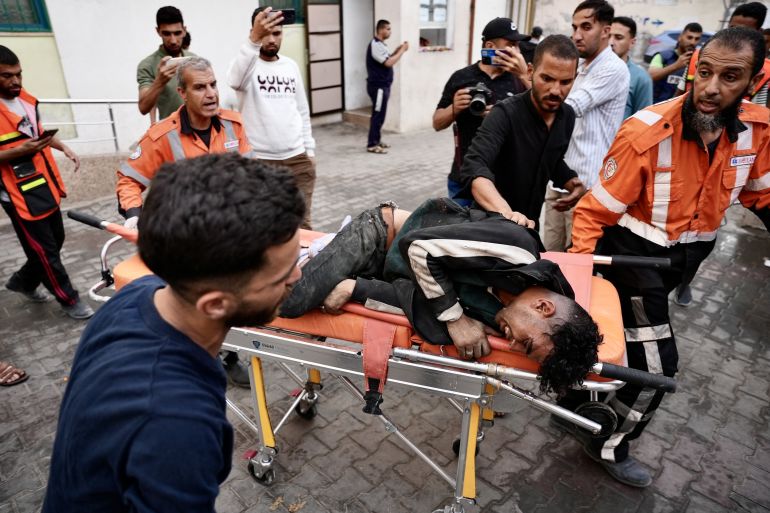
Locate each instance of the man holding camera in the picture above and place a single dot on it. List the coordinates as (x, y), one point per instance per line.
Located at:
(470, 92)
(522, 142)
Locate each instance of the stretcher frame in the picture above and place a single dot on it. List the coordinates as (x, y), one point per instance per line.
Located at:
(477, 390)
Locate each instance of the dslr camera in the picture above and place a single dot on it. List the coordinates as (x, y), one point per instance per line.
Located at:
(481, 96)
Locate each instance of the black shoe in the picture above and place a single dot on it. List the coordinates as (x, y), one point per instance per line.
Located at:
(629, 471)
(683, 296)
(238, 373)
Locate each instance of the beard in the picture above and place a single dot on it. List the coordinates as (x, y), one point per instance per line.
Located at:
(268, 53)
(255, 316)
(700, 122)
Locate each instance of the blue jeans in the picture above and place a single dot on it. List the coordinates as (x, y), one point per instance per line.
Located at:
(454, 188)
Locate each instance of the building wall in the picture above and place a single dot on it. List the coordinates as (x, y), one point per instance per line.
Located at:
(357, 31)
(43, 76)
(486, 11)
(101, 42)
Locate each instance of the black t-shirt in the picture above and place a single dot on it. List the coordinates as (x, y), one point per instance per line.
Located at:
(517, 151)
(502, 87)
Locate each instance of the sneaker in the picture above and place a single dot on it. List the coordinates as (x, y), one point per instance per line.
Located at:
(39, 295)
(683, 296)
(629, 471)
(79, 311)
(238, 373)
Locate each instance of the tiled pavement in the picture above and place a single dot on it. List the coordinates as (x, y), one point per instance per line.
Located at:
(709, 446)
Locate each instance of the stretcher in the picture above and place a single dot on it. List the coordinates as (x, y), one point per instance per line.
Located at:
(341, 344)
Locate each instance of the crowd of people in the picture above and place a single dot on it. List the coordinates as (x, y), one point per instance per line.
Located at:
(566, 127)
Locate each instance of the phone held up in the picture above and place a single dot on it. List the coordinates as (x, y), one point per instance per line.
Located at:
(486, 56)
(289, 16)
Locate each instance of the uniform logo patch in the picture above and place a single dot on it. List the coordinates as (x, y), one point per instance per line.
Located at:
(743, 160)
(231, 144)
(137, 153)
(610, 168)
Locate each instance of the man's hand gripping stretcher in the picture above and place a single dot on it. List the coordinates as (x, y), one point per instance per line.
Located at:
(458, 275)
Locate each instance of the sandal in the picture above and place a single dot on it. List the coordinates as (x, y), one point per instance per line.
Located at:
(10, 375)
(376, 149)
(384, 145)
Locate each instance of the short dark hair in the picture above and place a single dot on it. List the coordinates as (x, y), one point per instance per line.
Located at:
(559, 46)
(754, 10)
(736, 38)
(766, 32)
(693, 27)
(381, 24)
(536, 31)
(602, 11)
(575, 351)
(213, 217)
(7, 57)
(168, 15)
(626, 22)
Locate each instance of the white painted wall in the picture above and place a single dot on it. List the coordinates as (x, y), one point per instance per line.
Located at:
(420, 76)
(101, 42)
(486, 11)
(357, 31)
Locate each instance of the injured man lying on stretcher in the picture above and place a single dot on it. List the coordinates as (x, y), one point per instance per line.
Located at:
(458, 274)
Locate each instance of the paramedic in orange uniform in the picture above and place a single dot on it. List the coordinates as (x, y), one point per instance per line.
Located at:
(197, 128)
(666, 183)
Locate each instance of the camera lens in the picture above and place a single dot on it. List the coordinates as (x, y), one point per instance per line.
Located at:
(478, 104)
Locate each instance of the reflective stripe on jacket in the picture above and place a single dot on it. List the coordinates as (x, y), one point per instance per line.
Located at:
(661, 186)
(38, 193)
(165, 142)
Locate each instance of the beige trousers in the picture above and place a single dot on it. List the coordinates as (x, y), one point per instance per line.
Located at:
(557, 227)
(303, 169)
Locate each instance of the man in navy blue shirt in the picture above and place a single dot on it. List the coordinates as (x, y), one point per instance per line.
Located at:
(379, 76)
(142, 425)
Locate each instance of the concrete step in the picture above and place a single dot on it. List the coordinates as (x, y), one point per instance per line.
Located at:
(359, 117)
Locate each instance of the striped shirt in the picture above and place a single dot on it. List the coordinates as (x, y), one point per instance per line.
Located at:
(599, 100)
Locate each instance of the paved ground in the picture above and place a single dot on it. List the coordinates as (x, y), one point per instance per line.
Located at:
(709, 446)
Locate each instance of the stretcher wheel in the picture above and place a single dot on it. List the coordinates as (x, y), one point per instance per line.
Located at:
(306, 413)
(601, 414)
(456, 447)
(267, 478)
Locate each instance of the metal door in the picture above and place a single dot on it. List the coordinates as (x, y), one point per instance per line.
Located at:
(323, 19)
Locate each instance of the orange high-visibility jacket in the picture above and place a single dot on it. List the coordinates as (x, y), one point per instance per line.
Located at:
(165, 142)
(692, 67)
(38, 194)
(661, 186)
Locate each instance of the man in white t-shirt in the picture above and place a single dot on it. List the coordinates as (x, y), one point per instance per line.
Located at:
(272, 102)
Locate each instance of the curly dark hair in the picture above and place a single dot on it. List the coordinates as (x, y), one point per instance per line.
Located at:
(213, 217)
(575, 351)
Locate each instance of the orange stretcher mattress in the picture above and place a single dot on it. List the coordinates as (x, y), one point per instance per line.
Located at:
(596, 293)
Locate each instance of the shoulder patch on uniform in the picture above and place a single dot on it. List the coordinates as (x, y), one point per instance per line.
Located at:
(137, 152)
(610, 168)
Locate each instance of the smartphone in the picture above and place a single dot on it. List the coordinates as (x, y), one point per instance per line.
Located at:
(175, 61)
(289, 16)
(486, 56)
(48, 133)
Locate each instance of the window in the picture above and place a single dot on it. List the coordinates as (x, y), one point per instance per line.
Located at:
(277, 5)
(434, 20)
(23, 16)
